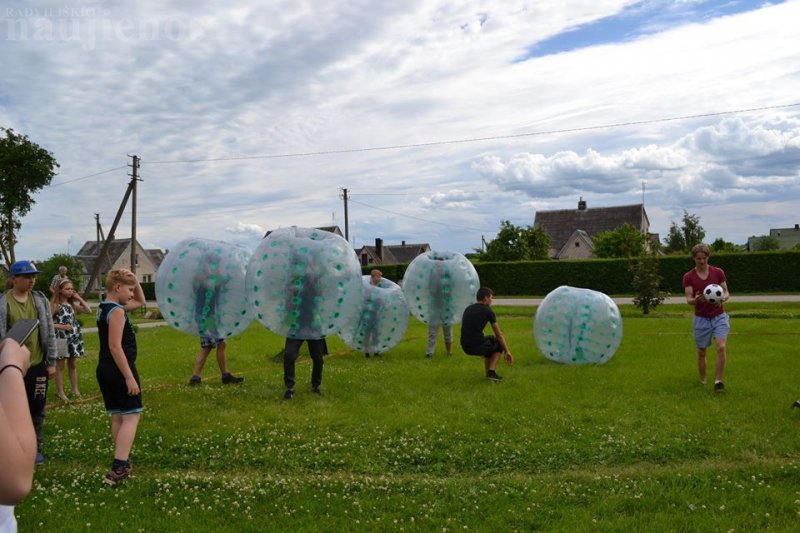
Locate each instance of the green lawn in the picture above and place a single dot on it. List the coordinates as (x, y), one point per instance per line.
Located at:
(404, 443)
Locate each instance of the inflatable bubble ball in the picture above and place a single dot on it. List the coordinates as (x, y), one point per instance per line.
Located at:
(383, 319)
(577, 326)
(304, 283)
(438, 286)
(200, 288)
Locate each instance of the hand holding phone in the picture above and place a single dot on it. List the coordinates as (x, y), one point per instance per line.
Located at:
(21, 330)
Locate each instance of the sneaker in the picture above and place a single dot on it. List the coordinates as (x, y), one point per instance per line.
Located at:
(796, 404)
(316, 390)
(194, 380)
(115, 475)
(719, 387)
(366, 354)
(288, 395)
(428, 355)
(493, 376)
(39, 459)
(230, 378)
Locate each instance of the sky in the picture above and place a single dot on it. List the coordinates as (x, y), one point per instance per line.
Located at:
(439, 118)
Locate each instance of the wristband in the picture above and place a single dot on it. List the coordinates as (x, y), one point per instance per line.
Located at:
(11, 366)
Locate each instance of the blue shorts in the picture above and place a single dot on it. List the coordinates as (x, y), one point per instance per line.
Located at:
(210, 342)
(704, 328)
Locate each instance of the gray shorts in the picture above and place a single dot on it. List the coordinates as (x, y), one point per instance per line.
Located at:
(210, 342)
(705, 328)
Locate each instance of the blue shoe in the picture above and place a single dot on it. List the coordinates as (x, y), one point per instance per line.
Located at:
(39, 459)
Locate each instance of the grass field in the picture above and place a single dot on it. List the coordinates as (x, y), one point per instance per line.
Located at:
(401, 443)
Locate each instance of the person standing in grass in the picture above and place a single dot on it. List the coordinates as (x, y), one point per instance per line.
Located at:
(208, 343)
(474, 342)
(710, 320)
(64, 304)
(116, 366)
(20, 302)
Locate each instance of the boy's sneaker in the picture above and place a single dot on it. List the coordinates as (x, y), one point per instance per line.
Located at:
(194, 380)
(316, 390)
(796, 404)
(39, 459)
(492, 375)
(288, 395)
(116, 475)
(719, 387)
(230, 378)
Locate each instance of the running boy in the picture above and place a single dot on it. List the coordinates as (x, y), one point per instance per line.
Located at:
(116, 366)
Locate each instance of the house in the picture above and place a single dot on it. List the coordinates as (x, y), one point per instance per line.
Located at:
(390, 254)
(787, 237)
(571, 230)
(119, 256)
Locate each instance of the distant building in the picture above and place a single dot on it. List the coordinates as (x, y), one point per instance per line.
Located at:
(787, 237)
(119, 256)
(390, 254)
(571, 230)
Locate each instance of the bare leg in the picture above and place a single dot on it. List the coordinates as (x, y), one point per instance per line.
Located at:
(125, 436)
(491, 362)
(701, 364)
(116, 422)
(60, 379)
(73, 375)
(222, 360)
(449, 347)
(202, 355)
(721, 353)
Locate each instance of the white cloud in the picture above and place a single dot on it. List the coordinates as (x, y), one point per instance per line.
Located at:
(246, 229)
(287, 77)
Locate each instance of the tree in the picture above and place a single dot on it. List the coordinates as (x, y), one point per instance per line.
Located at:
(49, 268)
(721, 245)
(682, 238)
(766, 243)
(25, 167)
(623, 241)
(514, 243)
(647, 283)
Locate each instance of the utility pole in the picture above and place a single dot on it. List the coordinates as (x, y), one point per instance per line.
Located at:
(134, 179)
(107, 242)
(346, 219)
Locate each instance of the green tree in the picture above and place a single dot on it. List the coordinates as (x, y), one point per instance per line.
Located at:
(25, 167)
(681, 239)
(647, 282)
(721, 245)
(49, 268)
(766, 243)
(623, 241)
(514, 243)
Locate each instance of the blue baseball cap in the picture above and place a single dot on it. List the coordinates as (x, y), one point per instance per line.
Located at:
(23, 267)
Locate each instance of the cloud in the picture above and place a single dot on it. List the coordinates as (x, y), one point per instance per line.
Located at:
(454, 199)
(242, 228)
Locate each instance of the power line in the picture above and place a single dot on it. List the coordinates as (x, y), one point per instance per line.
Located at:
(477, 139)
(418, 218)
(87, 176)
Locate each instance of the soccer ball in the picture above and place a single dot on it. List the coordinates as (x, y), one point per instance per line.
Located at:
(713, 293)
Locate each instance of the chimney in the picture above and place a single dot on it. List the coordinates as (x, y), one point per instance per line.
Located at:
(797, 226)
(379, 248)
(403, 243)
(581, 204)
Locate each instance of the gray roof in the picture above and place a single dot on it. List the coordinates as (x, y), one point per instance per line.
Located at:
(91, 249)
(562, 223)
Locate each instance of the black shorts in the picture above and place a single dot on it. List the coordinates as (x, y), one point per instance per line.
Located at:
(115, 391)
(487, 348)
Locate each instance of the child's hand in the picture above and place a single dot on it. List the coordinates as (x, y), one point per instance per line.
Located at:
(133, 387)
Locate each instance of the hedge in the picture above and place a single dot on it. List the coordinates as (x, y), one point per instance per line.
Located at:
(753, 272)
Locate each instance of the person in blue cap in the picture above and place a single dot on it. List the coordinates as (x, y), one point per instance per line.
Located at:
(22, 302)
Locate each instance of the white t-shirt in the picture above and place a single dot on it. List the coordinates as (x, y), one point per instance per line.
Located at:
(8, 522)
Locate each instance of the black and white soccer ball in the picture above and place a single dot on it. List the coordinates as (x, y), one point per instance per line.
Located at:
(713, 293)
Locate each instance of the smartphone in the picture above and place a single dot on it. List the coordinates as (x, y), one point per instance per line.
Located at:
(22, 329)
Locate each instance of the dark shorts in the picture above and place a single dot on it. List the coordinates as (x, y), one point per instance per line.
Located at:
(210, 342)
(487, 348)
(115, 391)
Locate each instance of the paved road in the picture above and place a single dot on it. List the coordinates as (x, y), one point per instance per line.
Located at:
(672, 300)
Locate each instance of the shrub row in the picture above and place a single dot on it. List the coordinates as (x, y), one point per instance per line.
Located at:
(753, 272)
